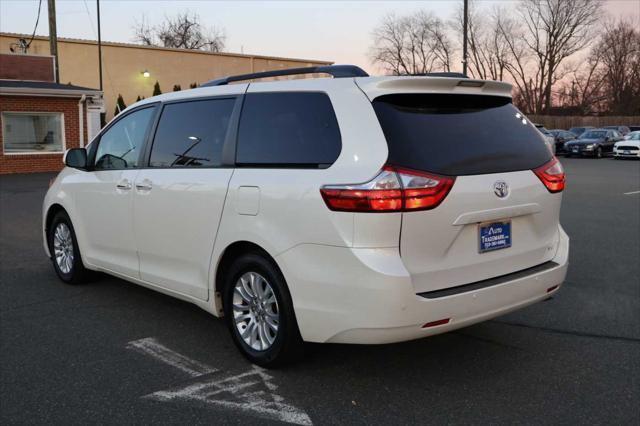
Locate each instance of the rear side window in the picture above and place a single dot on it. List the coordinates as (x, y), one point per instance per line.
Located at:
(459, 134)
(191, 134)
(288, 130)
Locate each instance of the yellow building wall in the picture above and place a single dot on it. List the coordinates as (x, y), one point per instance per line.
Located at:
(123, 64)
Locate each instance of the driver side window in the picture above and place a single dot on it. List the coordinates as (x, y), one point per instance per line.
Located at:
(119, 147)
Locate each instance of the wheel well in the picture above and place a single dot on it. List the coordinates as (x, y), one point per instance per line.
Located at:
(232, 252)
(53, 210)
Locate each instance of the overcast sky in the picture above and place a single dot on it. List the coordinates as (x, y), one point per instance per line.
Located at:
(328, 30)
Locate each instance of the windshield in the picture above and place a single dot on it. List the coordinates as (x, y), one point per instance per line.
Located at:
(635, 136)
(459, 134)
(593, 135)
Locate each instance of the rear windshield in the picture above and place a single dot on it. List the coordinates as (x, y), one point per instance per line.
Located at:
(459, 134)
(594, 135)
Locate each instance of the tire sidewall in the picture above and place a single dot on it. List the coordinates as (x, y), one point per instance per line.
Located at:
(77, 267)
(287, 328)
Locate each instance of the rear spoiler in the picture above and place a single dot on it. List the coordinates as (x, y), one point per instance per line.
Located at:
(374, 87)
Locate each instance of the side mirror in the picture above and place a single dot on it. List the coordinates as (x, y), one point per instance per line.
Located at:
(76, 158)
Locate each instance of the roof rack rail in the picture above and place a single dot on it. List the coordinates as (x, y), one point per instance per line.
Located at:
(441, 74)
(337, 71)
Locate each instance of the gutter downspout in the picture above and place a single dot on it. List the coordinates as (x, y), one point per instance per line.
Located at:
(81, 119)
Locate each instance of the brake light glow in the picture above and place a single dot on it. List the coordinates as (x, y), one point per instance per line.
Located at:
(552, 175)
(394, 189)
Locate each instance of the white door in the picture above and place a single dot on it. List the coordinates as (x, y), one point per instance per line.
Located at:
(179, 197)
(105, 197)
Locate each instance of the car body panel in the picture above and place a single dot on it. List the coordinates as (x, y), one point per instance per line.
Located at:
(586, 145)
(455, 259)
(628, 148)
(353, 277)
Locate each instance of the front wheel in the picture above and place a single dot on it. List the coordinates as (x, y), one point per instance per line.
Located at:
(599, 152)
(64, 250)
(259, 312)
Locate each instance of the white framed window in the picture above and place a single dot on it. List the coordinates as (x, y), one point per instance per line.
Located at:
(33, 132)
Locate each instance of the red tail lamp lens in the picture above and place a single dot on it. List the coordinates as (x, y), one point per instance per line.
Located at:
(392, 190)
(552, 175)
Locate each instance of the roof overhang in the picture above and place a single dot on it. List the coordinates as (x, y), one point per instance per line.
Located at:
(63, 93)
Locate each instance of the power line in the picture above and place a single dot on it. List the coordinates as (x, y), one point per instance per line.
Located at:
(36, 26)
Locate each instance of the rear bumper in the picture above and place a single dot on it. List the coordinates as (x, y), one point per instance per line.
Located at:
(366, 295)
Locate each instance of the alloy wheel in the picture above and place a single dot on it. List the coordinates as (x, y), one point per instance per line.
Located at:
(255, 311)
(63, 247)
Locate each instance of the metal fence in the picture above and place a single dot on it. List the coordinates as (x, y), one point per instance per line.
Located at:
(566, 122)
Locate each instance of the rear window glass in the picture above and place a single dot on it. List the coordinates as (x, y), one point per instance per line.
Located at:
(459, 134)
(288, 130)
(191, 134)
(594, 135)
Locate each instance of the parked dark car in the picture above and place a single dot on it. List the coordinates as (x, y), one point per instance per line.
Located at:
(561, 137)
(593, 143)
(634, 127)
(580, 130)
(623, 130)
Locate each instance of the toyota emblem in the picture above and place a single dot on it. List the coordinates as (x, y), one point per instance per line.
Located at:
(501, 189)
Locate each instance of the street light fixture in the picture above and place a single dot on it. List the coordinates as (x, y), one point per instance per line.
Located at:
(146, 74)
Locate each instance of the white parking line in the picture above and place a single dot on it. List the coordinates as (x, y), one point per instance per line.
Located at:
(632, 192)
(252, 392)
(151, 347)
(249, 392)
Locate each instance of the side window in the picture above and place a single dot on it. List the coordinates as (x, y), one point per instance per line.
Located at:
(288, 129)
(191, 134)
(120, 145)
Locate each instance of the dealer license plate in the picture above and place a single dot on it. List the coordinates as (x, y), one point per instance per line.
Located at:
(494, 236)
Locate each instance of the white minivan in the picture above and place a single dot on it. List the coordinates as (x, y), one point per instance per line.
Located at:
(351, 209)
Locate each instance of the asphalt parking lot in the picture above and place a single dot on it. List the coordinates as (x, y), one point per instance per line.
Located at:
(113, 352)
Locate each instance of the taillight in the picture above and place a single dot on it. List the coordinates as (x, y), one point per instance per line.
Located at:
(394, 189)
(552, 175)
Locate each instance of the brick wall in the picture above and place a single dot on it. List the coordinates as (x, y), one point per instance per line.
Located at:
(26, 67)
(31, 163)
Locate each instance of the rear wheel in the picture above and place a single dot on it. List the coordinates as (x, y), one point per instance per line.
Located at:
(65, 253)
(259, 312)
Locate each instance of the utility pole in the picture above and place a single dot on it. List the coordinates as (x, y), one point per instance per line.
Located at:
(465, 25)
(53, 38)
(102, 114)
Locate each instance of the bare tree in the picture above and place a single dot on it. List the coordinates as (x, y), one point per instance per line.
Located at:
(619, 52)
(552, 30)
(583, 93)
(489, 52)
(414, 44)
(183, 31)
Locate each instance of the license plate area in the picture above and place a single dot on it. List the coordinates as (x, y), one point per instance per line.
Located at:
(494, 236)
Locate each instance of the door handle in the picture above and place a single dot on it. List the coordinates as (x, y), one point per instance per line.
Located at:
(124, 185)
(145, 185)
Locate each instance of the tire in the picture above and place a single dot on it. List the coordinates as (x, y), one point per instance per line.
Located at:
(599, 152)
(265, 347)
(65, 254)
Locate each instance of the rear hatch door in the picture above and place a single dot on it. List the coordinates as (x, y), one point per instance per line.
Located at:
(498, 218)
